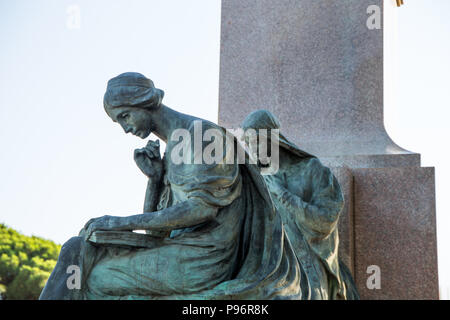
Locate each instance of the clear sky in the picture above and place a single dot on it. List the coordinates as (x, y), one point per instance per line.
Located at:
(63, 161)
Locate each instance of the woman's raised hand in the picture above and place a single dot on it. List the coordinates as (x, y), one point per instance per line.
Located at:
(148, 159)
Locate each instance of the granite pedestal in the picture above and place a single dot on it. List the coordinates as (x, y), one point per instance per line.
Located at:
(318, 67)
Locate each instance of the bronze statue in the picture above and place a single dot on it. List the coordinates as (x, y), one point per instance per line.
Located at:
(309, 199)
(213, 229)
(226, 240)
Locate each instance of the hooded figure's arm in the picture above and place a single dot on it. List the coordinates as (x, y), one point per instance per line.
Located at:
(321, 213)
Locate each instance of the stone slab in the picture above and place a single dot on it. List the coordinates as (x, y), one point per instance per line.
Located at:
(318, 68)
(374, 161)
(395, 229)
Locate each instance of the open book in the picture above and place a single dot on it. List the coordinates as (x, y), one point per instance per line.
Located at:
(126, 238)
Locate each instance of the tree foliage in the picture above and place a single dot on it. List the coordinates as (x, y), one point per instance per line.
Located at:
(25, 264)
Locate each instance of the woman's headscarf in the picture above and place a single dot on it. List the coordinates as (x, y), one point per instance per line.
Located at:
(132, 89)
(263, 119)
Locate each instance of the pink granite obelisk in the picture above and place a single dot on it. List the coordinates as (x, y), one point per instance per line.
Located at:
(319, 68)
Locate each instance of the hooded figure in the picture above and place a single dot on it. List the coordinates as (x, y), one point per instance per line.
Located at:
(226, 239)
(309, 199)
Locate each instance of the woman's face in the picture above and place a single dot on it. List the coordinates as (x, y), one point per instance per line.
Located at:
(135, 120)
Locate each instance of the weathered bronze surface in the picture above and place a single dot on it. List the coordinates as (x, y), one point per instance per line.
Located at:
(213, 229)
(309, 199)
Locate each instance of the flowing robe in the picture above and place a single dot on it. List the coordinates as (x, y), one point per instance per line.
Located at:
(240, 254)
(310, 200)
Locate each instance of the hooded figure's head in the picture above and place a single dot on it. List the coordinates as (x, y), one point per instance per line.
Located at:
(263, 119)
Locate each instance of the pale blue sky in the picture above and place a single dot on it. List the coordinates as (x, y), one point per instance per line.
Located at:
(62, 159)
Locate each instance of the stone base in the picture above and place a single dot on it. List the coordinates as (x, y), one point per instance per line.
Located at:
(374, 161)
(390, 221)
(317, 66)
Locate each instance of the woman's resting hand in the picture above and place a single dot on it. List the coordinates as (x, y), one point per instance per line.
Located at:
(104, 223)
